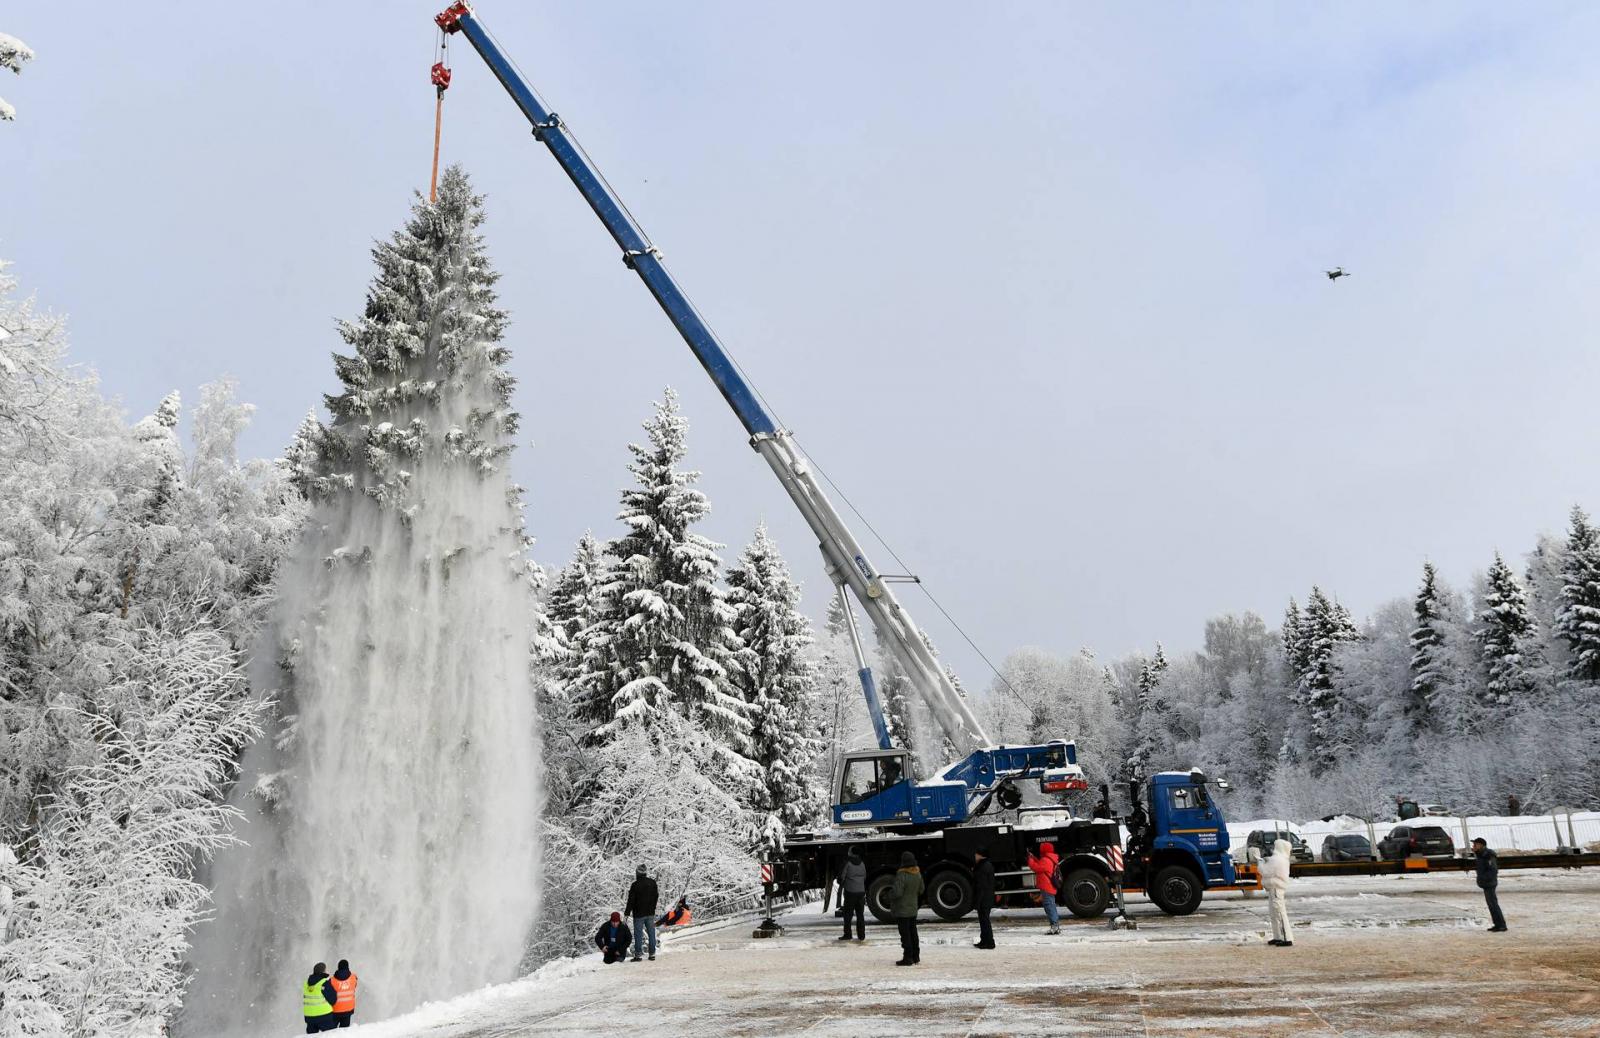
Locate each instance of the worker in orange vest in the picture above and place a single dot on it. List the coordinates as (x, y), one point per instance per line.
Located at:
(678, 915)
(344, 988)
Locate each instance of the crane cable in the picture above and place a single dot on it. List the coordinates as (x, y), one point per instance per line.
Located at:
(638, 228)
(1032, 707)
(439, 75)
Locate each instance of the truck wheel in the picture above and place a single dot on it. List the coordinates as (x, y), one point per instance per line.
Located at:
(878, 897)
(1176, 890)
(1085, 893)
(950, 894)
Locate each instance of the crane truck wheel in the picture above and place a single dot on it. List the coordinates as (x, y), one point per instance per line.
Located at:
(1086, 893)
(878, 897)
(1176, 890)
(950, 894)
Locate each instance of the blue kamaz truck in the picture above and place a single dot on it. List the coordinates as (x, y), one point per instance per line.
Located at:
(1176, 848)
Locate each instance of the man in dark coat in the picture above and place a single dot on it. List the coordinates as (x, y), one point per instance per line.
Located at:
(905, 897)
(853, 893)
(983, 895)
(612, 939)
(641, 908)
(1488, 865)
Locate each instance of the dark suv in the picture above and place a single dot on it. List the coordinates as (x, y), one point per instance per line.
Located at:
(1417, 841)
(1347, 847)
(1263, 839)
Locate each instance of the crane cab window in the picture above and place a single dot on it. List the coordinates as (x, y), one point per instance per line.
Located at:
(865, 778)
(1184, 798)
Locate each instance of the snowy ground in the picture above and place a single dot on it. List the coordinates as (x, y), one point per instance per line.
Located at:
(1381, 956)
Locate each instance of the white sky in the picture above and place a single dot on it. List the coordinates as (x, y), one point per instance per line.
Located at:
(1039, 284)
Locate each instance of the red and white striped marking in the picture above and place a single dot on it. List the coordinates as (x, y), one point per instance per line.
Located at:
(766, 872)
(1114, 856)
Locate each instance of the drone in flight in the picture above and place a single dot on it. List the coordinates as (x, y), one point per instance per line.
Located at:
(1336, 273)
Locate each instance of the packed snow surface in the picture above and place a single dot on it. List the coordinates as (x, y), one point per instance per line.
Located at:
(1373, 956)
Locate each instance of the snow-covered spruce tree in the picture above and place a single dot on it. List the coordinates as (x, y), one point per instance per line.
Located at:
(1579, 619)
(1152, 743)
(106, 897)
(13, 55)
(895, 695)
(1324, 626)
(777, 681)
(1427, 651)
(843, 724)
(405, 630)
(1505, 635)
(664, 641)
(1294, 640)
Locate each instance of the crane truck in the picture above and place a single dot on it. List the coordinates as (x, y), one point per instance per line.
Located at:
(879, 804)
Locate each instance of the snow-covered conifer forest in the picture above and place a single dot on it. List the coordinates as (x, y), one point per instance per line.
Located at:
(181, 629)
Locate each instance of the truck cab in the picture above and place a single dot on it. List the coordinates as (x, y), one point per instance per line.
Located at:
(1182, 844)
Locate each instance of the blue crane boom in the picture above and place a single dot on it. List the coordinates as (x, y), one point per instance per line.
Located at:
(965, 788)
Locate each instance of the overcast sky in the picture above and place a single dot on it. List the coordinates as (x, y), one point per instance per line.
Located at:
(1040, 285)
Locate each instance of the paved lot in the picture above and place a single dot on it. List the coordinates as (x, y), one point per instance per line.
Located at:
(1379, 956)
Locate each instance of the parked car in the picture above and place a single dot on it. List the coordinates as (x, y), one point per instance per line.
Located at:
(1417, 841)
(1435, 811)
(1347, 847)
(1263, 839)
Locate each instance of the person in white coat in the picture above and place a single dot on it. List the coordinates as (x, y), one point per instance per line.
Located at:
(1275, 881)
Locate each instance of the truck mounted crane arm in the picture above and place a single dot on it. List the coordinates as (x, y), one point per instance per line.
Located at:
(845, 559)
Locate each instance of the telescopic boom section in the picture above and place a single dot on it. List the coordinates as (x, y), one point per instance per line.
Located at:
(847, 563)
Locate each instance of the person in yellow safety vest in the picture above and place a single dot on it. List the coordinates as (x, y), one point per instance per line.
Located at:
(344, 985)
(317, 997)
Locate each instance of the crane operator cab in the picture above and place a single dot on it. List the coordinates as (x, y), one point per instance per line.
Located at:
(878, 788)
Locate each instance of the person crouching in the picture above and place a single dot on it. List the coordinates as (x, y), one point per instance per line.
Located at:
(613, 938)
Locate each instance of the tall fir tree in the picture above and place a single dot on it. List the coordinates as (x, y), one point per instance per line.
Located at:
(1152, 741)
(1427, 650)
(1506, 638)
(895, 695)
(1294, 641)
(664, 640)
(575, 607)
(1324, 626)
(1579, 619)
(777, 679)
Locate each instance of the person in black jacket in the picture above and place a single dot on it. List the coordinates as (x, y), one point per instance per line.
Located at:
(612, 939)
(317, 997)
(641, 908)
(983, 895)
(1488, 865)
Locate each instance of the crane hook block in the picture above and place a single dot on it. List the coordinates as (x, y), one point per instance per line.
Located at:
(449, 19)
(441, 76)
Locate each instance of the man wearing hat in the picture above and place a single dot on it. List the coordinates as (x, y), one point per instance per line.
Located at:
(641, 908)
(612, 939)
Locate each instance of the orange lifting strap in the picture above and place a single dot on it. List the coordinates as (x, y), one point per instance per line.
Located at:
(441, 82)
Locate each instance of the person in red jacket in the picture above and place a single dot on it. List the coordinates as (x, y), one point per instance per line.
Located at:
(1043, 865)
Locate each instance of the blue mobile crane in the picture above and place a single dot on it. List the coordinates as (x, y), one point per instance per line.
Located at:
(874, 789)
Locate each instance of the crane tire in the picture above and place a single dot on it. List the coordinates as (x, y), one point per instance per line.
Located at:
(1085, 893)
(1176, 890)
(950, 894)
(878, 897)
